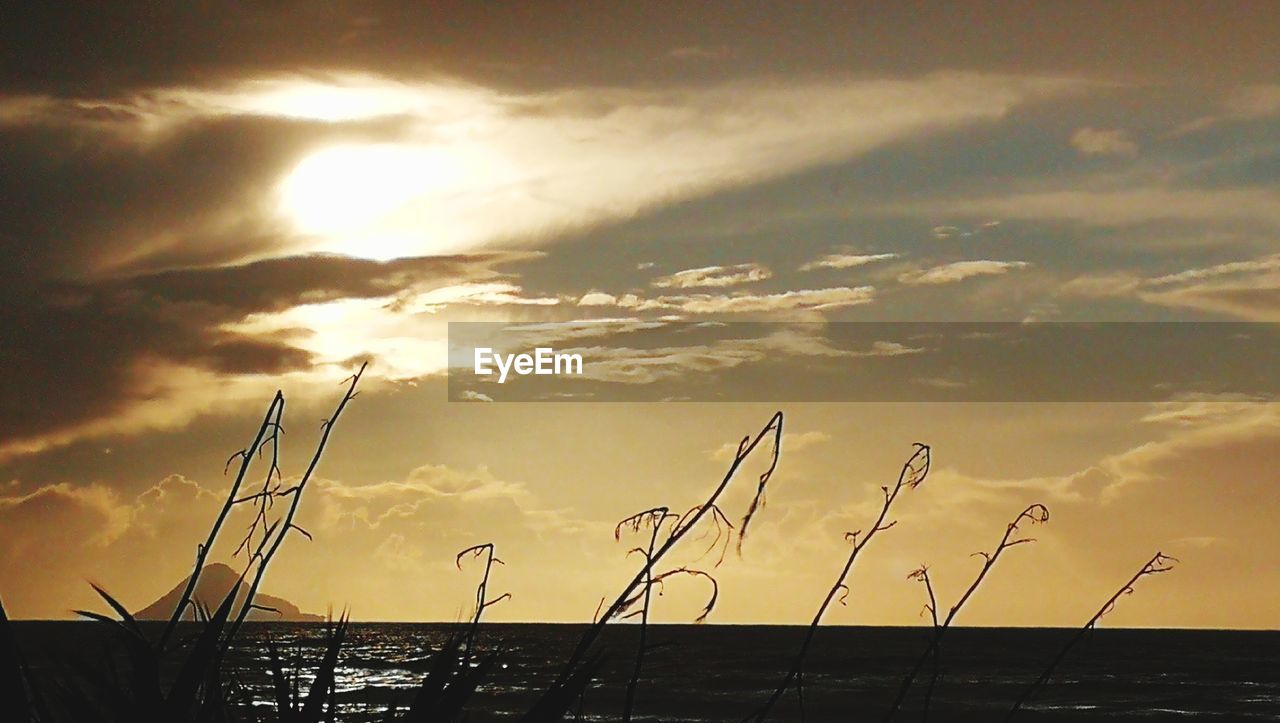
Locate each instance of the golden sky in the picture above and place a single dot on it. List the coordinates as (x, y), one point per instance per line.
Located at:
(201, 206)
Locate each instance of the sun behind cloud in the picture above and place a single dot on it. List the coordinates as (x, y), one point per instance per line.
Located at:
(376, 200)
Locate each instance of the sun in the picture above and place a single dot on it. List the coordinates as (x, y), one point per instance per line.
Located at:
(376, 201)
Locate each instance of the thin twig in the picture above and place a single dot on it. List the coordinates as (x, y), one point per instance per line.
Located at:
(282, 527)
(482, 592)
(773, 430)
(912, 474)
(921, 574)
(202, 552)
(1156, 565)
(1033, 514)
(655, 517)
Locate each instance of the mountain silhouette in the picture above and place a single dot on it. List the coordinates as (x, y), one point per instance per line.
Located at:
(211, 589)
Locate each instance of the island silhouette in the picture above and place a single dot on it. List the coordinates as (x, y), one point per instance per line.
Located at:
(215, 581)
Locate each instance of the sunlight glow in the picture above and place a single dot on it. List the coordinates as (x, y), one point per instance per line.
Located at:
(380, 200)
(330, 99)
(406, 347)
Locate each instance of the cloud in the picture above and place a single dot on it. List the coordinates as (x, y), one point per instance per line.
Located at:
(1265, 263)
(1248, 289)
(1102, 285)
(698, 52)
(1219, 454)
(1247, 103)
(629, 365)
(1116, 208)
(413, 524)
(483, 166)
(794, 442)
(91, 514)
(1103, 142)
(1199, 411)
(799, 300)
(714, 276)
(1254, 101)
(1255, 298)
(959, 271)
(436, 501)
(598, 298)
(149, 351)
(845, 261)
(493, 293)
(201, 255)
(400, 555)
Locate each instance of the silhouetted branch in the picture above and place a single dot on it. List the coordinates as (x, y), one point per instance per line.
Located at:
(772, 430)
(485, 550)
(265, 554)
(715, 589)
(202, 551)
(1156, 565)
(912, 474)
(654, 518)
(264, 499)
(758, 500)
(1032, 515)
(921, 574)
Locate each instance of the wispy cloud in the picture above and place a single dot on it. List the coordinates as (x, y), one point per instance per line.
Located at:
(796, 442)
(631, 365)
(1247, 103)
(1251, 266)
(714, 276)
(1248, 289)
(1119, 207)
(498, 293)
(959, 271)
(486, 166)
(799, 300)
(845, 261)
(1103, 142)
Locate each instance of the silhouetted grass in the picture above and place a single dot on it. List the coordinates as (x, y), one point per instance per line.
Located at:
(174, 677)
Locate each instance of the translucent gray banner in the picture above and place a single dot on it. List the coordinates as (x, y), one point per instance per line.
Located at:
(648, 361)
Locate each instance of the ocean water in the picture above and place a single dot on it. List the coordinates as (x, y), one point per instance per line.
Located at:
(723, 673)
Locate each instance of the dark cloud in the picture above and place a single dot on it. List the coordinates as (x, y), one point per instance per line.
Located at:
(79, 198)
(79, 48)
(77, 351)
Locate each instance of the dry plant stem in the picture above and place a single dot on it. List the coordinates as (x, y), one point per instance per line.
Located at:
(913, 473)
(482, 592)
(281, 528)
(1156, 565)
(264, 499)
(658, 516)
(688, 522)
(1033, 514)
(922, 574)
(271, 419)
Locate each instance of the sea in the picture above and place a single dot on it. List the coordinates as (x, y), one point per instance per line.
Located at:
(725, 672)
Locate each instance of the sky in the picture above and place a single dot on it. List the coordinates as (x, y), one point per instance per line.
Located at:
(200, 206)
